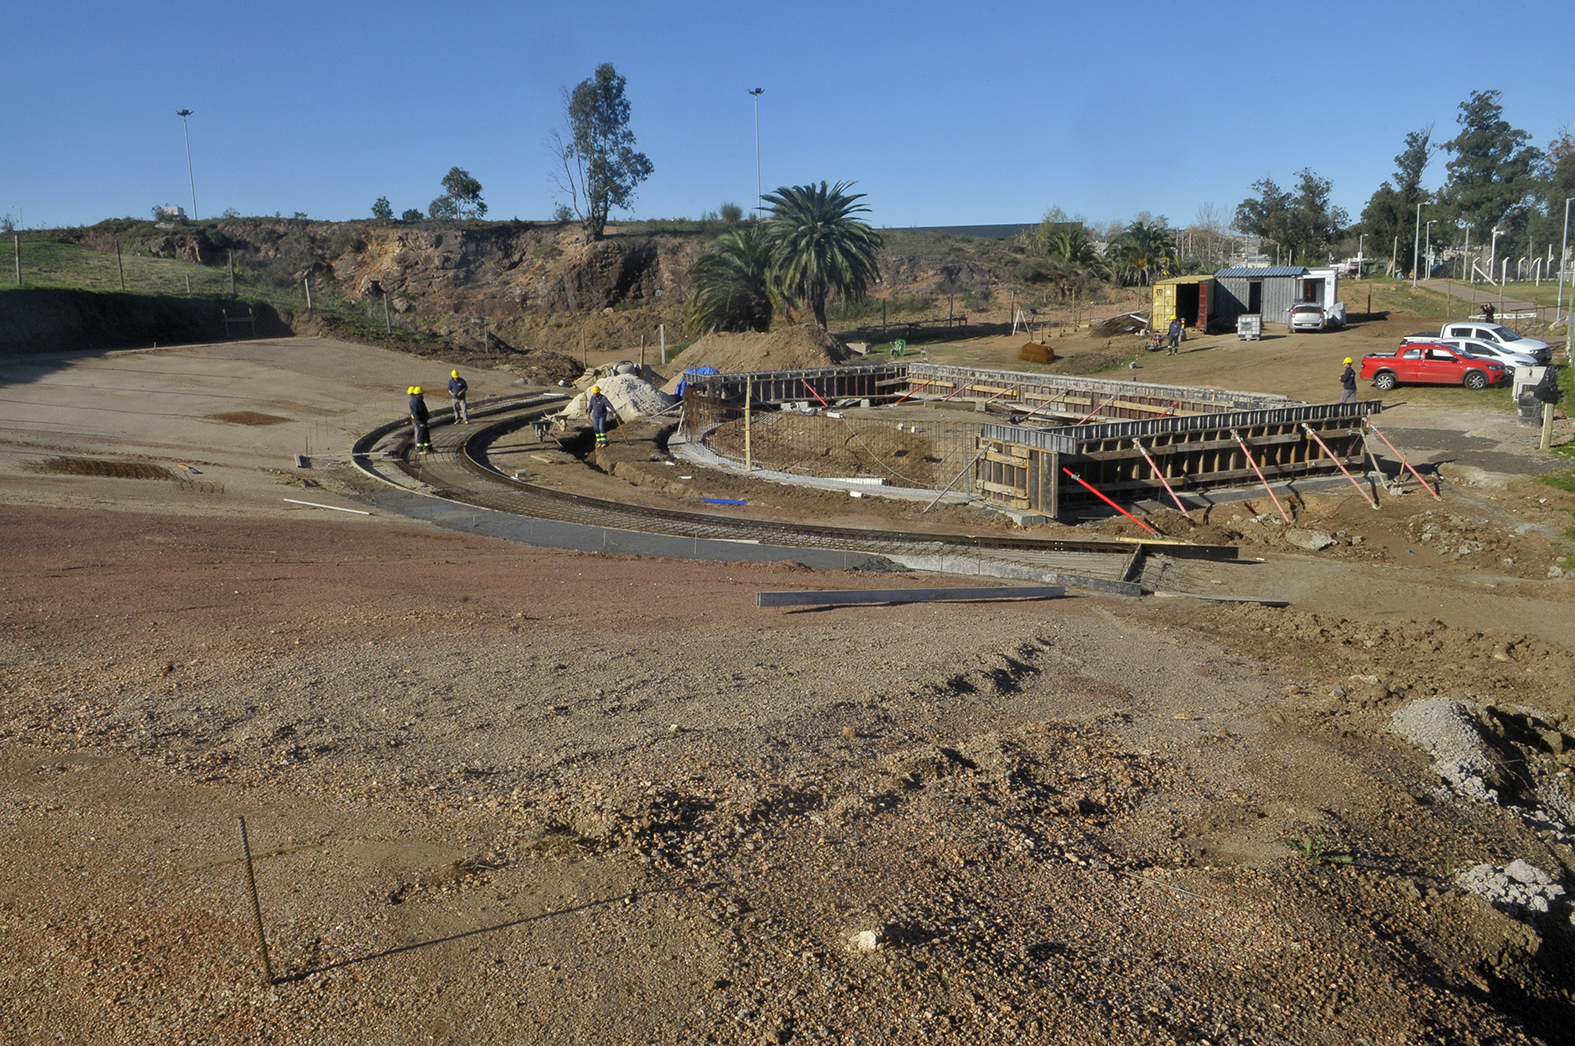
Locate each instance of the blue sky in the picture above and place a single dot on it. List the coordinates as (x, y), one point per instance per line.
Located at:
(942, 113)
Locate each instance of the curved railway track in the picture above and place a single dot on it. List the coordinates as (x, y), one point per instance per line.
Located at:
(458, 468)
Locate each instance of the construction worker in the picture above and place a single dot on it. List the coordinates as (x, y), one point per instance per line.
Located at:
(1348, 382)
(600, 406)
(456, 391)
(419, 417)
(1175, 336)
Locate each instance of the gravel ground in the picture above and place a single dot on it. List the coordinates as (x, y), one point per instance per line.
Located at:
(525, 796)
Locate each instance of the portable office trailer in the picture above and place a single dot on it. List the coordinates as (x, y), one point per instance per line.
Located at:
(1189, 297)
(1267, 292)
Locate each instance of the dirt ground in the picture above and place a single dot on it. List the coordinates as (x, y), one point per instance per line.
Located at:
(505, 794)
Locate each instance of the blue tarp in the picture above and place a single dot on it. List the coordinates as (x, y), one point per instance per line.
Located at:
(694, 372)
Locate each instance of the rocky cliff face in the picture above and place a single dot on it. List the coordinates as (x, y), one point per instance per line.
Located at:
(527, 287)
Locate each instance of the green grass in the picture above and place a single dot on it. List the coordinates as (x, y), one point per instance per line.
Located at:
(49, 263)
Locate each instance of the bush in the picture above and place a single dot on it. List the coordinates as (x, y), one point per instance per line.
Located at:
(732, 213)
(412, 215)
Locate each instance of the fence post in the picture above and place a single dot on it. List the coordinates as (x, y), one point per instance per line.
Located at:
(307, 283)
(16, 242)
(232, 271)
(662, 332)
(388, 322)
(120, 266)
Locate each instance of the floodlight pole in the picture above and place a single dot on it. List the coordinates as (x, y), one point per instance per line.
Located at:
(1430, 223)
(183, 113)
(1564, 253)
(757, 92)
(1416, 247)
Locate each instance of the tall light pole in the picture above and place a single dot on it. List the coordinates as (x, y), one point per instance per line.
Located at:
(757, 92)
(1430, 223)
(1493, 251)
(1416, 246)
(1564, 253)
(183, 113)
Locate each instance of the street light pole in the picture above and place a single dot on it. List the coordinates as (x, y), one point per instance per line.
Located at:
(757, 92)
(1564, 253)
(1430, 223)
(1493, 252)
(183, 113)
(1416, 246)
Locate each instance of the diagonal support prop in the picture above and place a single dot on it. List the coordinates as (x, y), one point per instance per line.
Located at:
(1425, 485)
(1253, 462)
(1161, 477)
(1107, 501)
(1334, 458)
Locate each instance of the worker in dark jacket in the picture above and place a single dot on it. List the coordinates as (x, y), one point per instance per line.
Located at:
(456, 390)
(600, 406)
(1175, 336)
(419, 418)
(1348, 382)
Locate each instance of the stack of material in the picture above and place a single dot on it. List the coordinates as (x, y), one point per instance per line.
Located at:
(1126, 323)
(630, 395)
(1036, 352)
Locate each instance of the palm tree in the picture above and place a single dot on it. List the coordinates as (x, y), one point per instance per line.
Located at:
(817, 246)
(1142, 252)
(733, 284)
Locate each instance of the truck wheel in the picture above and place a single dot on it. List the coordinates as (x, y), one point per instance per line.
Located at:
(1475, 380)
(1384, 380)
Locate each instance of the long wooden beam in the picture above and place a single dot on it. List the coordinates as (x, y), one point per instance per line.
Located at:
(850, 597)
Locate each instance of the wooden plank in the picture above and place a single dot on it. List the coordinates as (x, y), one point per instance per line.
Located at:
(852, 597)
(1004, 488)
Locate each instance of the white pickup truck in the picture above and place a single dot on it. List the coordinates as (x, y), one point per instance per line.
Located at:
(1494, 333)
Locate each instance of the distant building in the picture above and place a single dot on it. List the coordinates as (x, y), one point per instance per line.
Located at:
(172, 214)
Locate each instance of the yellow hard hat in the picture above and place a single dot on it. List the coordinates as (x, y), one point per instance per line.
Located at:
(410, 390)
(453, 373)
(415, 390)
(1349, 360)
(596, 388)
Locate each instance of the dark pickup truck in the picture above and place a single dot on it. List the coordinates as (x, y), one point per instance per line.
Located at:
(1429, 364)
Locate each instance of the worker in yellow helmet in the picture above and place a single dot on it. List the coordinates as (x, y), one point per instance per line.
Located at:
(419, 418)
(599, 406)
(1348, 382)
(456, 390)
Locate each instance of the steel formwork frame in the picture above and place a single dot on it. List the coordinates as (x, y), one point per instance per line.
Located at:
(1021, 467)
(1189, 433)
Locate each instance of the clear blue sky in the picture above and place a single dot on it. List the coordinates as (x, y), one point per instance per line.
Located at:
(942, 113)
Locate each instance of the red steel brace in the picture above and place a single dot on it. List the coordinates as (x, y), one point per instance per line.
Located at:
(1436, 495)
(1248, 451)
(1107, 501)
(1332, 457)
(1161, 477)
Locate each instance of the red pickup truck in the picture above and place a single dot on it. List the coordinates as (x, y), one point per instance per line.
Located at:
(1428, 364)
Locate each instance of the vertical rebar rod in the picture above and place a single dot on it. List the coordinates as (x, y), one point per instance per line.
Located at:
(251, 885)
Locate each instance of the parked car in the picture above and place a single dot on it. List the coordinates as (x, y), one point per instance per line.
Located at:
(1491, 351)
(1431, 363)
(1498, 335)
(1306, 316)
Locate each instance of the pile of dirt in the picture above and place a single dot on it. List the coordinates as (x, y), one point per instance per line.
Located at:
(1126, 323)
(790, 348)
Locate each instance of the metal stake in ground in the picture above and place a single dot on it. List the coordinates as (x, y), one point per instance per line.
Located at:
(251, 885)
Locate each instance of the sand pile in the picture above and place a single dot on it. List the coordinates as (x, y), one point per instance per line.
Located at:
(791, 348)
(630, 395)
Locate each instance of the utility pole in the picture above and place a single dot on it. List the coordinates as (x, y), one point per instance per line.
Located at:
(757, 92)
(1564, 255)
(16, 244)
(1416, 248)
(183, 113)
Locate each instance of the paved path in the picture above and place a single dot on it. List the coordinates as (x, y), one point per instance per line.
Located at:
(1482, 295)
